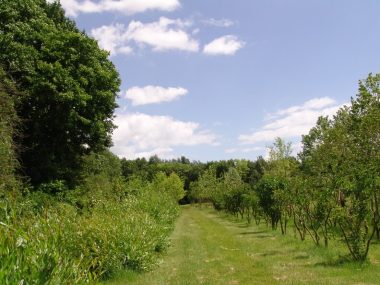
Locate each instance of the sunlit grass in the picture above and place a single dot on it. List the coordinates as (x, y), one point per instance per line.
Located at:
(213, 248)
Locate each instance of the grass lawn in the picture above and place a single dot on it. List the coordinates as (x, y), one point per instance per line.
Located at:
(212, 248)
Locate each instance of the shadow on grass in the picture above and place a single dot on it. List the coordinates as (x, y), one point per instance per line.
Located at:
(302, 256)
(270, 253)
(264, 236)
(253, 233)
(343, 260)
(242, 226)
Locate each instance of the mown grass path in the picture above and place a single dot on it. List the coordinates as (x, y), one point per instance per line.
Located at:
(208, 248)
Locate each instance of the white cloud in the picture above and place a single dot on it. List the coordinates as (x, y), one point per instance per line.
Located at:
(153, 94)
(166, 34)
(226, 45)
(112, 38)
(292, 122)
(144, 135)
(125, 50)
(128, 7)
(222, 23)
(314, 104)
(165, 153)
(163, 35)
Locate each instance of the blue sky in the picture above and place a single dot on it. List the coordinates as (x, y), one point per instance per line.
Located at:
(220, 79)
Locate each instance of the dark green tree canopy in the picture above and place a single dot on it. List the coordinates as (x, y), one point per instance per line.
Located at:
(70, 87)
(8, 127)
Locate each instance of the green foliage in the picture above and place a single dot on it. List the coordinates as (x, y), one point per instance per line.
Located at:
(50, 242)
(144, 169)
(171, 185)
(265, 190)
(33, 250)
(53, 187)
(100, 179)
(54, 235)
(69, 83)
(8, 121)
(251, 206)
(233, 190)
(356, 133)
(336, 188)
(280, 150)
(207, 188)
(59, 246)
(333, 189)
(256, 170)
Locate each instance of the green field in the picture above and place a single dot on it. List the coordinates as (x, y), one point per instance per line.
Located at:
(211, 248)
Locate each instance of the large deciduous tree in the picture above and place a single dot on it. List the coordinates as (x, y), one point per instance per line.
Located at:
(69, 82)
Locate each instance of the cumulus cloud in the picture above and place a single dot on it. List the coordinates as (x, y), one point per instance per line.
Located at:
(313, 104)
(153, 94)
(112, 38)
(292, 122)
(163, 35)
(222, 23)
(142, 135)
(226, 45)
(75, 7)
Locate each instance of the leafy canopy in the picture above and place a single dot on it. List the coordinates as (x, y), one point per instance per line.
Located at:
(69, 82)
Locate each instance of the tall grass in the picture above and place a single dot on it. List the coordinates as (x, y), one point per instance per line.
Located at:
(80, 236)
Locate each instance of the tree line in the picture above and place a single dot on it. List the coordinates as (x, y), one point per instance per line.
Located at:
(330, 190)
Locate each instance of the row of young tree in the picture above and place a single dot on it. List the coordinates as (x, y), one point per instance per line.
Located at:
(332, 189)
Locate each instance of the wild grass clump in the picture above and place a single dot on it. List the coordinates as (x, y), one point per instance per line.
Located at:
(53, 235)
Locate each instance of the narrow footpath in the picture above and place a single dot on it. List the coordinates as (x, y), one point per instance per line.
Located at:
(208, 248)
